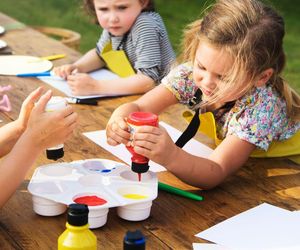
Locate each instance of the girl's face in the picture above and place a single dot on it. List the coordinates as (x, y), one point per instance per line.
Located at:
(118, 16)
(210, 66)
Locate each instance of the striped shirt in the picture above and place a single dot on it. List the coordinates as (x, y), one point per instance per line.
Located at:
(146, 45)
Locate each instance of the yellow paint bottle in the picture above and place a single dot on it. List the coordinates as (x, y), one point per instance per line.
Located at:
(77, 235)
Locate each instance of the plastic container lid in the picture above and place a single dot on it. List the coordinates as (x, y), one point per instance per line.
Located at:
(143, 118)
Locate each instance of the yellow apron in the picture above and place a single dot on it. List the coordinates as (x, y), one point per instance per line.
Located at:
(289, 148)
(117, 61)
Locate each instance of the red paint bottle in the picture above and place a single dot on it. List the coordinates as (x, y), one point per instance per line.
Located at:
(139, 163)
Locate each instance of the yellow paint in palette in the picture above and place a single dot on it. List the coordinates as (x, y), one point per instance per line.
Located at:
(135, 196)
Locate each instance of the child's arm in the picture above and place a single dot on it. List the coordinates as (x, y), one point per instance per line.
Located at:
(154, 101)
(11, 132)
(37, 136)
(83, 84)
(228, 157)
(88, 62)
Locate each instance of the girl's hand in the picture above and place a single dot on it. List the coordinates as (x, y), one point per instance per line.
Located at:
(65, 70)
(155, 144)
(27, 107)
(117, 131)
(47, 129)
(82, 84)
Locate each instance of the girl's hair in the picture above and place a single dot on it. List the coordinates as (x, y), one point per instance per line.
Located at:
(252, 34)
(89, 6)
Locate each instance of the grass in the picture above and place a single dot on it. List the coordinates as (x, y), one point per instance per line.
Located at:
(176, 14)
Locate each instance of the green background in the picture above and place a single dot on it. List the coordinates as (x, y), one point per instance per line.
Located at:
(176, 15)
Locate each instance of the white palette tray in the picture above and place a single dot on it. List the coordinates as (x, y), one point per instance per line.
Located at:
(107, 183)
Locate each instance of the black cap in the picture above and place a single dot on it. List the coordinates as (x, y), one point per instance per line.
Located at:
(55, 154)
(139, 167)
(134, 240)
(78, 214)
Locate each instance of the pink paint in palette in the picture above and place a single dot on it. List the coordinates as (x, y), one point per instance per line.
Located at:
(98, 183)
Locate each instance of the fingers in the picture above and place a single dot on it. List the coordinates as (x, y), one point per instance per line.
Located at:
(44, 99)
(78, 77)
(147, 133)
(117, 132)
(71, 118)
(64, 71)
(33, 96)
(112, 142)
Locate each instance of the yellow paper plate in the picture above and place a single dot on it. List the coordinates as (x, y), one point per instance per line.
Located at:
(13, 65)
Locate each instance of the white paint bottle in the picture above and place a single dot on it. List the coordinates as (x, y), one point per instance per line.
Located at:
(55, 103)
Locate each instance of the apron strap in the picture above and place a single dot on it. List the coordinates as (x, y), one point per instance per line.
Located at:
(190, 131)
(194, 125)
(122, 41)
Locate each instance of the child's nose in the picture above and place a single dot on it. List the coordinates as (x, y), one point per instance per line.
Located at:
(113, 18)
(209, 81)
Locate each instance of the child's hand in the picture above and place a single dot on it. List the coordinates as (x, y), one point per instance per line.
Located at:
(155, 144)
(27, 107)
(82, 84)
(65, 70)
(47, 129)
(117, 131)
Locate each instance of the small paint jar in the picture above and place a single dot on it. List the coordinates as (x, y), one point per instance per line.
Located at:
(135, 212)
(135, 120)
(55, 103)
(46, 207)
(97, 213)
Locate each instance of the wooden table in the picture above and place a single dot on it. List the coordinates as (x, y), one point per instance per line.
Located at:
(174, 220)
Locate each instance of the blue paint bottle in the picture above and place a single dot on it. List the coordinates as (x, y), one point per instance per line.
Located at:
(134, 240)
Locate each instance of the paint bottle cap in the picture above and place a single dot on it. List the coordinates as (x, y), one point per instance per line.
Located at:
(55, 154)
(134, 240)
(139, 167)
(78, 214)
(142, 118)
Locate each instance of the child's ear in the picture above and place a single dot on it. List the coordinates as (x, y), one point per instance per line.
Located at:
(144, 3)
(264, 77)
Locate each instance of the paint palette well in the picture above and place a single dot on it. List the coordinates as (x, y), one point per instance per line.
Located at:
(98, 183)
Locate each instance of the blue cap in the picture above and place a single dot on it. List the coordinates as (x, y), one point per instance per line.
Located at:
(134, 240)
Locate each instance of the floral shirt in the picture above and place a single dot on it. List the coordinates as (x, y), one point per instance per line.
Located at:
(258, 117)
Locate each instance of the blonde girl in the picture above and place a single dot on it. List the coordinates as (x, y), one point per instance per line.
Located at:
(233, 60)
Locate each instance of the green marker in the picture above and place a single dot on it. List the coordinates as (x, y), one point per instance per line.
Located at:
(178, 191)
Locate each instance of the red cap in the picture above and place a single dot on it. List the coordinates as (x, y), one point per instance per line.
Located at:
(143, 118)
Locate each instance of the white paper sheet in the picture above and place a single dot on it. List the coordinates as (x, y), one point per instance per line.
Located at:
(209, 246)
(264, 227)
(63, 86)
(193, 147)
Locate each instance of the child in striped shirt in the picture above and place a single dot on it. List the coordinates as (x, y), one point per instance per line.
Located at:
(131, 26)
